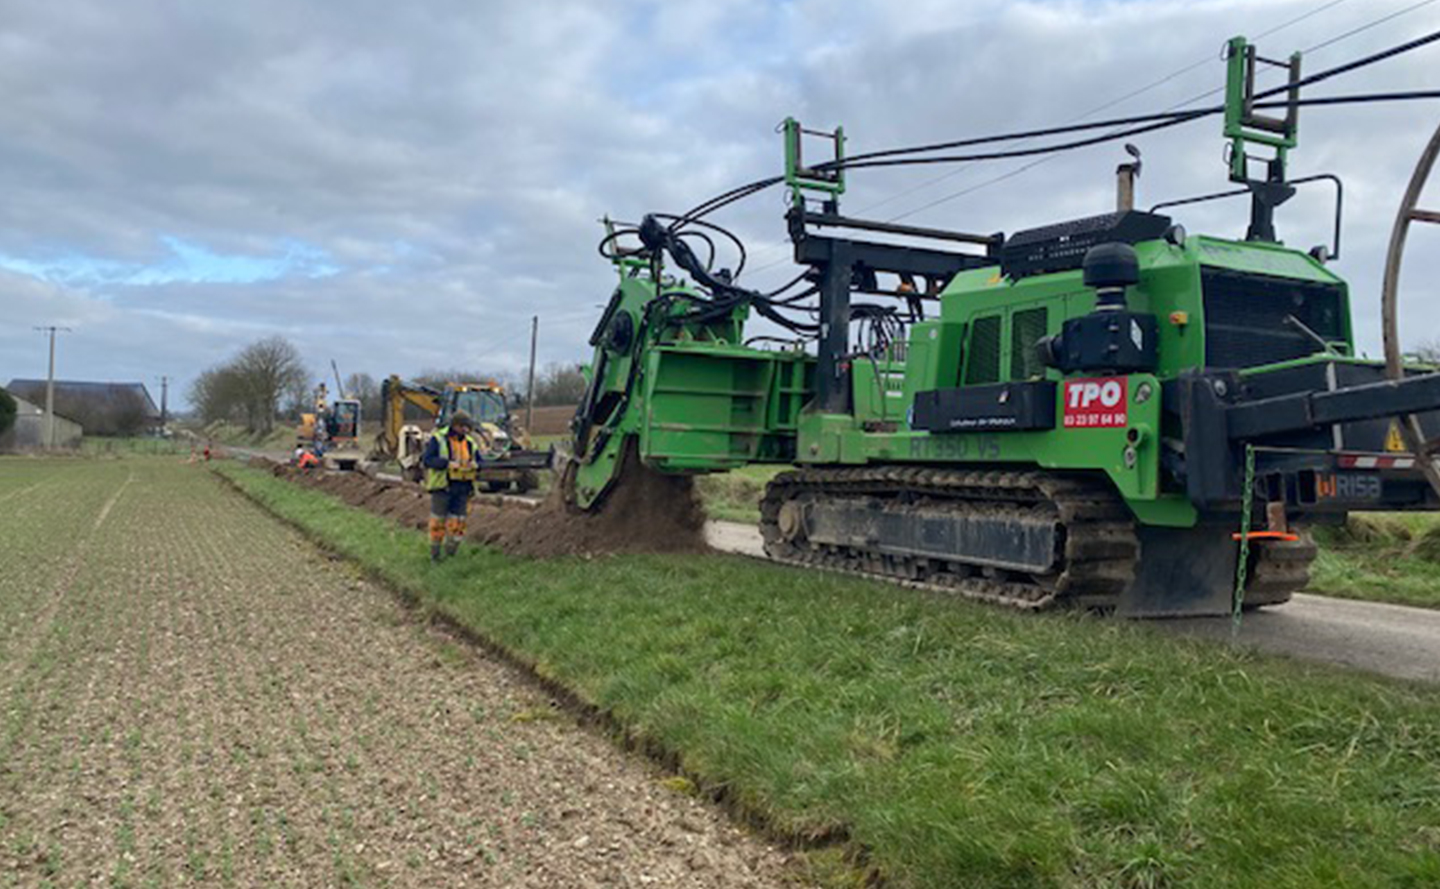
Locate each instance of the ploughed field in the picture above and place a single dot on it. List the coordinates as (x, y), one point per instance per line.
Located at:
(931, 742)
(192, 694)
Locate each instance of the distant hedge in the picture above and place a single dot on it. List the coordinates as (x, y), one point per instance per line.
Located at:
(7, 411)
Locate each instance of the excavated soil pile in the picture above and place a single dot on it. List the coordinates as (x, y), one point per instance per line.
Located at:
(646, 512)
(404, 503)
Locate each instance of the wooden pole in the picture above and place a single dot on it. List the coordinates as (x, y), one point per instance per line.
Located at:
(530, 383)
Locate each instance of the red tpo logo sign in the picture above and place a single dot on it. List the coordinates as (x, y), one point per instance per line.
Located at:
(1096, 403)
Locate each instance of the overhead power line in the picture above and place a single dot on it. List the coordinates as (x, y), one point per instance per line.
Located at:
(1179, 72)
(1035, 163)
(1135, 125)
(1154, 84)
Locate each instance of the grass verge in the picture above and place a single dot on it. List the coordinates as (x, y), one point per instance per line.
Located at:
(735, 496)
(143, 446)
(949, 743)
(281, 438)
(1381, 557)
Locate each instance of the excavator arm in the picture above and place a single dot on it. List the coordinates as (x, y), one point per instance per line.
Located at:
(394, 395)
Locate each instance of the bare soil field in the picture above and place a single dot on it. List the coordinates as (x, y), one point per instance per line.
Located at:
(192, 694)
(549, 420)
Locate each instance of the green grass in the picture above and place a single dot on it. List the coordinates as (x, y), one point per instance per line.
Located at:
(735, 496)
(134, 446)
(281, 438)
(1382, 557)
(955, 744)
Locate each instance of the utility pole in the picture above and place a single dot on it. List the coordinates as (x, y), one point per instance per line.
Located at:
(50, 387)
(164, 394)
(530, 385)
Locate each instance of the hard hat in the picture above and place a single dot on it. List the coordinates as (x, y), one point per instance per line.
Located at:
(460, 418)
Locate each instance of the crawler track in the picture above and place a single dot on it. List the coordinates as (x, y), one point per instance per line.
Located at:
(1097, 548)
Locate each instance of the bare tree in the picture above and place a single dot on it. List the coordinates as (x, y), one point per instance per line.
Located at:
(251, 385)
(559, 384)
(267, 370)
(128, 412)
(1428, 351)
(363, 388)
(437, 378)
(297, 399)
(216, 395)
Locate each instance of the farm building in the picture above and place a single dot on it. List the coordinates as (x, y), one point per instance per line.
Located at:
(28, 433)
(102, 408)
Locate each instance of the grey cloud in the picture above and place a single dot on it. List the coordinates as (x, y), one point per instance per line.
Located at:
(454, 157)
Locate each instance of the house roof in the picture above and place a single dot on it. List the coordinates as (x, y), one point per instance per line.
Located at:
(26, 408)
(34, 390)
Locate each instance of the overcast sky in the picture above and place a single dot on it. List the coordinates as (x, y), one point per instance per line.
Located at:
(399, 186)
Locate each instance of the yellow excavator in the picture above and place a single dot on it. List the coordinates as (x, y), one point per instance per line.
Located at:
(332, 431)
(507, 463)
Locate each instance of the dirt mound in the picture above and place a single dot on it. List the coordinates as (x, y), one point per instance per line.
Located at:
(405, 503)
(646, 512)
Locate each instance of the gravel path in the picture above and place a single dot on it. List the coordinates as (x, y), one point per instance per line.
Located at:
(192, 694)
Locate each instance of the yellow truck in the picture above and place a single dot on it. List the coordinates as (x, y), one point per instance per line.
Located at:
(507, 461)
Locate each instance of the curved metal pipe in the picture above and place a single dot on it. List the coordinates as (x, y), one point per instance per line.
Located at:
(1410, 425)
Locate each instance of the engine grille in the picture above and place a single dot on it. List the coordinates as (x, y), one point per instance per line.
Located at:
(1026, 329)
(983, 365)
(1245, 317)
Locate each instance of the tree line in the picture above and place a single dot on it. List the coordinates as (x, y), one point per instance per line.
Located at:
(248, 388)
(268, 380)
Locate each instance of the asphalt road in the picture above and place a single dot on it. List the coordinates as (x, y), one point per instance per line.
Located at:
(1392, 640)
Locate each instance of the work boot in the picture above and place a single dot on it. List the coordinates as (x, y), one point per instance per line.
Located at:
(454, 533)
(437, 537)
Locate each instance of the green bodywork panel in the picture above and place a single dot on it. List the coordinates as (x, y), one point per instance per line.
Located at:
(701, 401)
(714, 406)
(690, 396)
(687, 394)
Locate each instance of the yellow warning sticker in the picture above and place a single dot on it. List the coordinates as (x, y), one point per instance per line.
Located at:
(1394, 441)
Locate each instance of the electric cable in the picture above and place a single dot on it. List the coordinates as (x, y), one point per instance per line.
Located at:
(893, 156)
(1200, 63)
(1367, 26)
(1035, 163)
(724, 296)
(931, 182)
(791, 283)
(1322, 44)
(1165, 122)
(1046, 155)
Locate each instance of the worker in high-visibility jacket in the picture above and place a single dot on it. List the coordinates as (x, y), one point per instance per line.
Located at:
(451, 458)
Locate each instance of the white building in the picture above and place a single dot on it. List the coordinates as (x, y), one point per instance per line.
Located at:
(28, 433)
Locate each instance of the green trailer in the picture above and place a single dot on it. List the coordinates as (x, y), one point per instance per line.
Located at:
(1107, 412)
